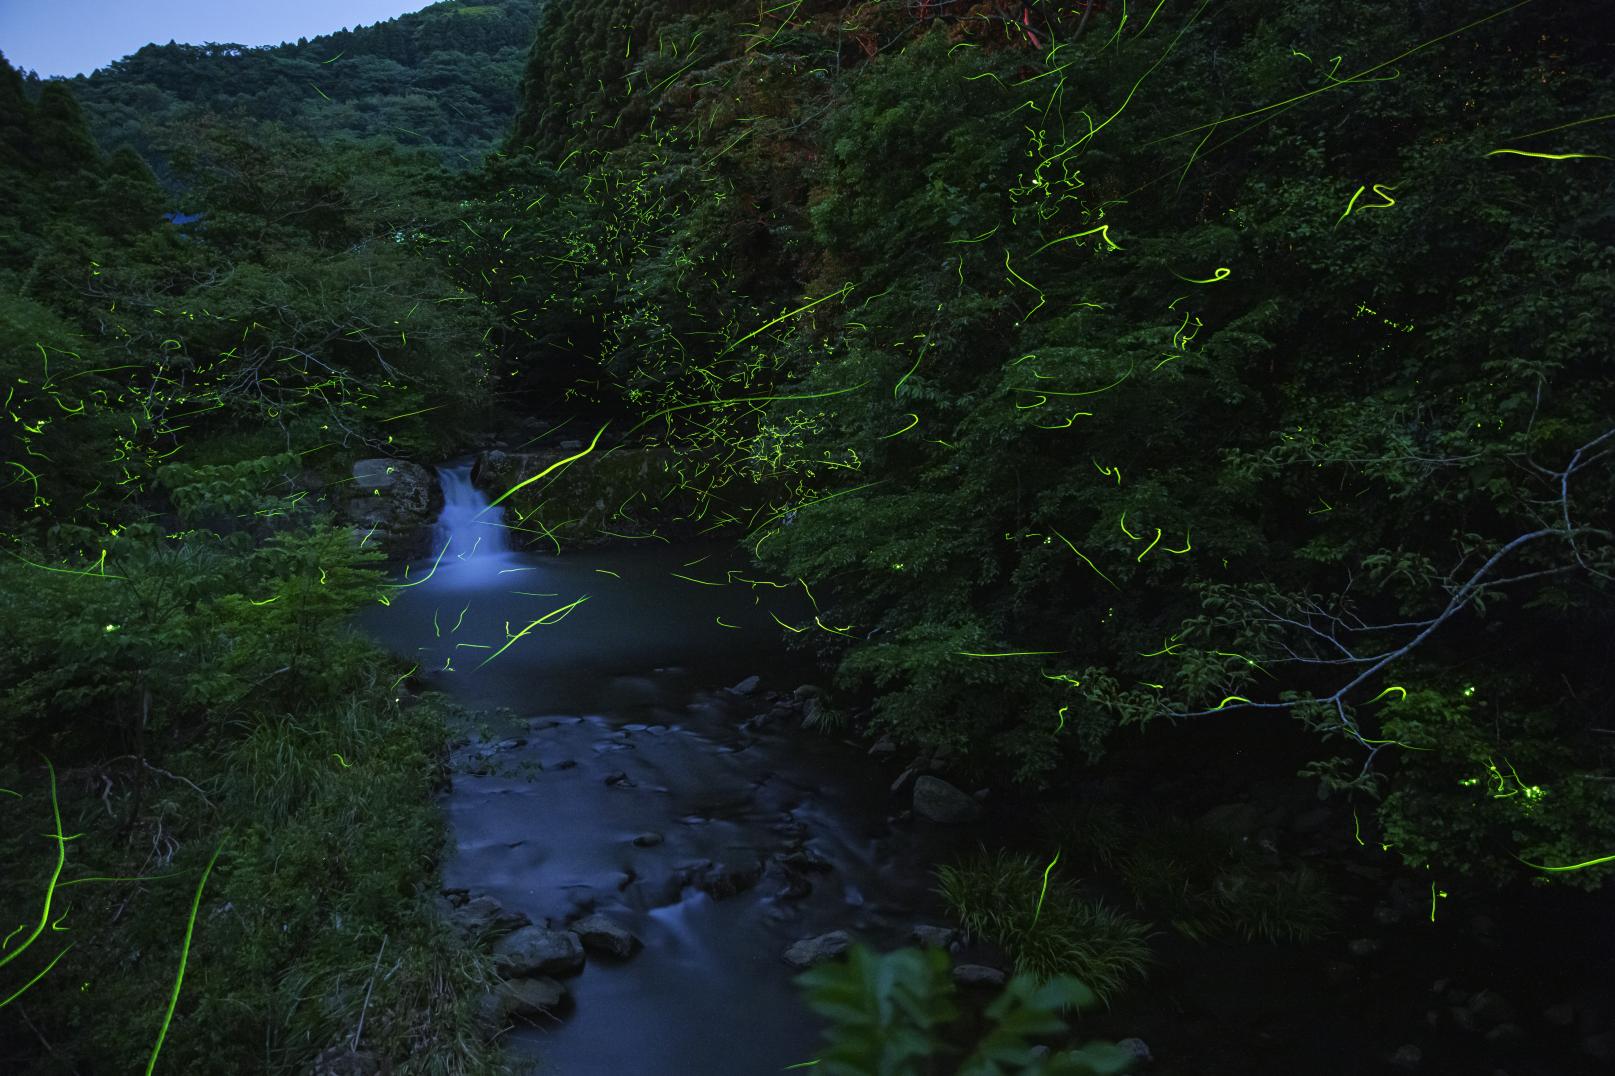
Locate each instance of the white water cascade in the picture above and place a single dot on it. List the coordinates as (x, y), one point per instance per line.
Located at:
(470, 539)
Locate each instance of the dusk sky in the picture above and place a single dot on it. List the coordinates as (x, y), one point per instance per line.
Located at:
(70, 37)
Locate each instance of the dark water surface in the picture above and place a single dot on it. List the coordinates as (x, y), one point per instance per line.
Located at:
(632, 681)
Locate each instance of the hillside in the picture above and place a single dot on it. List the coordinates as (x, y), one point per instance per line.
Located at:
(442, 78)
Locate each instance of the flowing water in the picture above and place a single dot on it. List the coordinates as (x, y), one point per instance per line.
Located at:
(591, 665)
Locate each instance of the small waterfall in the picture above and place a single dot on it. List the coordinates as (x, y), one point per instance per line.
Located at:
(468, 532)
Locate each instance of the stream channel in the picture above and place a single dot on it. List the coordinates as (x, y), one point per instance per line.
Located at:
(614, 720)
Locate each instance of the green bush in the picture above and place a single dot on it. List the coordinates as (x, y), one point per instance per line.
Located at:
(1000, 897)
(891, 1015)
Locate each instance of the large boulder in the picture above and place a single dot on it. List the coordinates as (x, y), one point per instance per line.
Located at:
(537, 951)
(524, 1001)
(484, 915)
(601, 491)
(392, 503)
(810, 951)
(602, 935)
(938, 801)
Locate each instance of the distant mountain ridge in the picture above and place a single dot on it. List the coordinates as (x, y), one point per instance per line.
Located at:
(443, 78)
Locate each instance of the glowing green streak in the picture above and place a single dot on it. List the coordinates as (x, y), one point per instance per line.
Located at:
(428, 575)
(1085, 560)
(1088, 392)
(977, 239)
(1547, 156)
(437, 632)
(1045, 891)
(102, 574)
(784, 625)
(346, 765)
(911, 369)
(741, 399)
(1349, 205)
(1130, 534)
(703, 582)
(1028, 283)
(545, 619)
(1186, 545)
(842, 292)
(915, 422)
(1228, 700)
(50, 887)
(1348, 80)
(1061, 716)
(459, 619)
(1005, 654)
(721, 623)
(1571, 867)
(1356, 827)
(1387, 691)
(19, 991)
(1562, 126)
(1222, 273)
(401, 678)
(545, 471)
(1151, 546)
(607, 571)
(184, 955)
(1103, 230)
(322, 94)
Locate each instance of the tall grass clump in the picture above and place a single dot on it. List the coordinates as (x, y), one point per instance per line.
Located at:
(1000, 897)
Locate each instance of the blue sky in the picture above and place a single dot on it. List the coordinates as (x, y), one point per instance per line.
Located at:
(71, 37)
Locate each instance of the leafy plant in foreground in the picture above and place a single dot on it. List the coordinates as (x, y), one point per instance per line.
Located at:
(889, 1014)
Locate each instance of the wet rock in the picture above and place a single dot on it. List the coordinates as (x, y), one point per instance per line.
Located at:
(484, 914)
(1238, 820)
(648, 840)
(510, 744)
(747, 686)
(1489, 1008)
(810, 951)
(1560, 1015)
(601, 935)
(978, 975)
(806, 859)
(1137, 1047)
(564, 764)
(393, 502)
(723, 880)
(1308, 822)
(932, 936)
(909, 773)
(1505, 1034)
(618, 778)
(537, 951)
(346, 1061)
(885, 747)
(1407, 1057)
(1601, 1046)
(526, 1000)
(457, 896)
(1363, 947)
(807, 691)
(938, 801)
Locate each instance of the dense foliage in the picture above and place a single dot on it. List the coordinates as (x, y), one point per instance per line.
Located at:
(440, 79)
(1089, 370)
(207, 771)
(1212, 365)
(894, 1014)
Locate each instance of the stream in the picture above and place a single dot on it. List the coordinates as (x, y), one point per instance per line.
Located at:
(601, 679)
